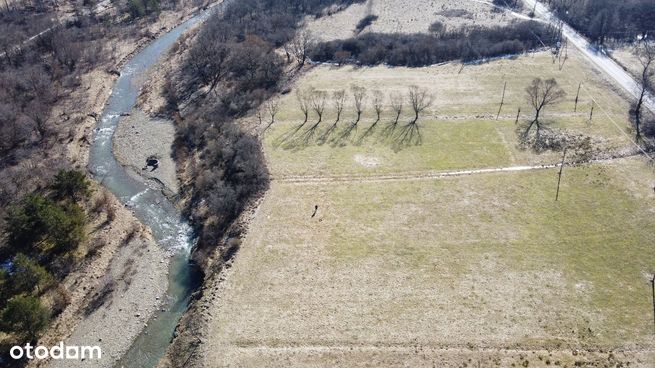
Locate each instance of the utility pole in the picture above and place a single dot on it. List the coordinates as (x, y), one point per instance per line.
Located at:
(577, 95)
(652, 285)
(502, 100)
(559, 180)
(591, 114)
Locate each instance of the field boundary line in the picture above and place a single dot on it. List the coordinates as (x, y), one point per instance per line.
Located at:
(430, 175)
(407, 176)
(414, 347)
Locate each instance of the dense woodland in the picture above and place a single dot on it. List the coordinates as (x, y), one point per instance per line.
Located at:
(442, 45)
(44, 231)
(602, 20)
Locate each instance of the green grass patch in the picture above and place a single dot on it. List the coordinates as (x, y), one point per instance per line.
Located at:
(444, 145)
(572, 272)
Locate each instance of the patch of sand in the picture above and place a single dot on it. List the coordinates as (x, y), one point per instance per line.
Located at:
(405, 16)
(367, 161)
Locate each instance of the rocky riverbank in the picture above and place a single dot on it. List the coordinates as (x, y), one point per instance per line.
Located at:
(143, 145)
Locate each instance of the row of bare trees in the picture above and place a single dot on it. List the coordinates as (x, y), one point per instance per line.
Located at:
(310, 100)
(540, 94)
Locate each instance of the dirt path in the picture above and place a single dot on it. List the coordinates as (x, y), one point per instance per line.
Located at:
(404, 176)
(309, 179)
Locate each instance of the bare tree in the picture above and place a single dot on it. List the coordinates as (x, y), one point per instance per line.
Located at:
(646, 54)
(378, 102)
(272, 108)
(541, 94)
(208, 61)
(317, 101)
(419, 100)
(338, 100)
(300, 47)
(359, 96)
(397, 102)
(303, 102)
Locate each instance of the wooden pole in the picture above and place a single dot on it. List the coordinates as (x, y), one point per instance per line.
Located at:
(652, 285)
(591, 114)
(502, 100)
(559, 179)
(577, 96)
(518, 114)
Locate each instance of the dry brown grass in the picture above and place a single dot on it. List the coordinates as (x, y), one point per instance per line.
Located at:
(406, 17)
(469, 262)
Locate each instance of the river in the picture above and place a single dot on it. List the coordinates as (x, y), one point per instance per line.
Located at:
(151, 207)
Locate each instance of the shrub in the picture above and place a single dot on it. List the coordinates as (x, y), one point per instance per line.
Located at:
(415, 50)
(71, 184)
(24, 315)
(437, 27)
(5, 287)
(27, 275)
(39, 225)
(60, 300)
(512, 4)
(139, 8)
(365, 22)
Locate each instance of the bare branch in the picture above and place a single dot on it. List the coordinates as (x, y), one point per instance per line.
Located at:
(645, 53)
(359, 95)
(302, 96)
(419, 100)
(397, 102)
(378, 102)
(540, 94)
(339, 100)
(300, 47)
(317, 101)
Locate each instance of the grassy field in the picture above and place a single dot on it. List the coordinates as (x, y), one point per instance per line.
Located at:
(476, 270)
(476, 261)
(459, 131)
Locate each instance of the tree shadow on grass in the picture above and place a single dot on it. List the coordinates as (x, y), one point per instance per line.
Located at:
(308, 135)
(408, 135)
(368, 132)
(323, 138)
(344, 136)
(388, 132)
(288, 138)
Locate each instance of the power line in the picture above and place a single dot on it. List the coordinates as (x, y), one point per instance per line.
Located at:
(616, 124)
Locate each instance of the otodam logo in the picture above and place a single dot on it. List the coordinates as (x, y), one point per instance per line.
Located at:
(58, 352)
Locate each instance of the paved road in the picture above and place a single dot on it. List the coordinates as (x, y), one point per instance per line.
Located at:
(601, 61)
